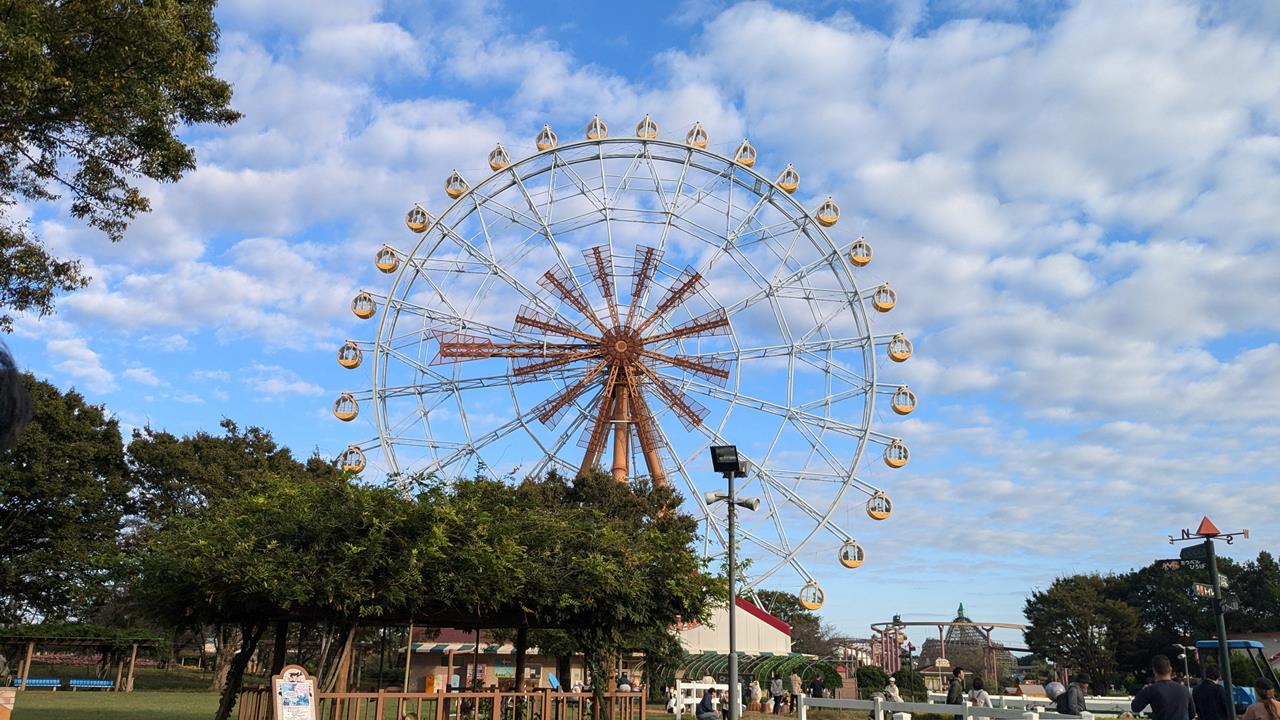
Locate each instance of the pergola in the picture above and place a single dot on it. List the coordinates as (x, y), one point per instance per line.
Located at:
(32, 641)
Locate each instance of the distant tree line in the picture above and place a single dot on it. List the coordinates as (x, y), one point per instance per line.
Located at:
(1111, 625)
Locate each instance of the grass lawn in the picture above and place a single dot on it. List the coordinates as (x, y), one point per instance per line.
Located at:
(97, 705)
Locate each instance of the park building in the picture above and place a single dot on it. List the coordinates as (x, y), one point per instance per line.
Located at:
(447, 658)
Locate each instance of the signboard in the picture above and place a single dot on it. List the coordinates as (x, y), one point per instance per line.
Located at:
(505, 669)
(1194, 552)
(942, 663)
(1202, 590)
(294, 694)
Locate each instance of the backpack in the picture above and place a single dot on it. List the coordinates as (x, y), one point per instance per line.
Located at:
(1064, 707)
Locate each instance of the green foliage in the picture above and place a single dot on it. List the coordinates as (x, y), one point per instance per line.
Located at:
(911, 685)
(110, 636)
(92, 95)
(1074, 623)
(871, 679)
(63, 494)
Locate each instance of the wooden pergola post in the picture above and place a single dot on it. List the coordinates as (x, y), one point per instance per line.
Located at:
(26, 664)
(133, 658)
(119, 674)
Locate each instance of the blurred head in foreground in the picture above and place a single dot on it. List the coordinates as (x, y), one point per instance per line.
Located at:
(15, 410)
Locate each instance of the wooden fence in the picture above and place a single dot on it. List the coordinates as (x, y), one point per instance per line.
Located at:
(255, 704)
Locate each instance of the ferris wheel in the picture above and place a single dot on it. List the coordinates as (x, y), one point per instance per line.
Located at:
(625, 303)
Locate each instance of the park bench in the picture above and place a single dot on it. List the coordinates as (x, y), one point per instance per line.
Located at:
(91, 684)
(35, 682)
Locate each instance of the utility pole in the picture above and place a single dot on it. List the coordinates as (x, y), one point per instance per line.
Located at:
(1206, 552)
(724, 460)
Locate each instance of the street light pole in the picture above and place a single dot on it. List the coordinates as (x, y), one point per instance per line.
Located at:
(734, 685)
(725, 460)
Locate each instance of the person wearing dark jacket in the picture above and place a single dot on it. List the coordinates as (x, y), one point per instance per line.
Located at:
(1210, 697)
(1168, 700)
(1071, 701)
(955, 691)
(707, 706)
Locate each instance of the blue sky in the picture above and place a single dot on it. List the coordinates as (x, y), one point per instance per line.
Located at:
(1077, 202)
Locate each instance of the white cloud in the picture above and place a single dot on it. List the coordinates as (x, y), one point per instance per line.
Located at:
(274, 381)
(73, 357)
(143, 376)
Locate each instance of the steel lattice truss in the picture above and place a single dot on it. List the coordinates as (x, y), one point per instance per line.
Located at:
(626, 303)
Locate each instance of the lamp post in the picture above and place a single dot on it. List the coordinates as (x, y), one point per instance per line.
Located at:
(725, 460)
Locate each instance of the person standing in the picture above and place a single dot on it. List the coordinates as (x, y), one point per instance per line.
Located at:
(818, 688)
(1267, 707)
(978, 697)
(1210, 698)
(794, 700)
(955, 691)
(775, 692)
(1168, 699)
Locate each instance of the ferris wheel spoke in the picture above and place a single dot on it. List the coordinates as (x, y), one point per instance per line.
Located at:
(833, 369)
(684, 286)
(496, 268)
(587, 192)
(771, 408)
(599, 263)
(551, 455)
(683, 470)
(689, 411)
(709, 369)
(474, 444)
(643, 266)
(771, 351)
(770, 288)
(551, 410)
(544, 226)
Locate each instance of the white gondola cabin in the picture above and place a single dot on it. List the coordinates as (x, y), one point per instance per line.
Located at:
(788, 180)
(386, 260)
(697, 136)
(350, 355)
(417, 219)
(546, 139)
(828, 213)
(899, 348)
(860, 252)
(903, 401)
(896, 454)
(352, 459)
(596, 129)
(345, 408)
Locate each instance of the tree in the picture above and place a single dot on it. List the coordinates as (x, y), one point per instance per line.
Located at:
(1257, 585)
(63, 494)
(1075, 624)
(92, 93)
(174, 477)
(871, 679)
(326, 549)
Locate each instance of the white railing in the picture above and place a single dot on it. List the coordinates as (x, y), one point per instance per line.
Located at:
(689, 694)
(1097, 704)
(903, 710)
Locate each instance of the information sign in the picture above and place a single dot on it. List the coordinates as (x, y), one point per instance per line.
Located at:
(294, 694)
